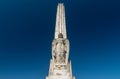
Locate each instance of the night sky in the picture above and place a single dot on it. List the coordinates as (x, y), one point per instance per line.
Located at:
(27, 30)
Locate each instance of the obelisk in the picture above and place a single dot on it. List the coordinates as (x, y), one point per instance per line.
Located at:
(60, 65)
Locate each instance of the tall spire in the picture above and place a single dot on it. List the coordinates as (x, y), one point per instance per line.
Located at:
(60, 21)
(60, 65)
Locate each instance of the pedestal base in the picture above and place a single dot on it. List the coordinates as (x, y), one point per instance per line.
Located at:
(60, 72)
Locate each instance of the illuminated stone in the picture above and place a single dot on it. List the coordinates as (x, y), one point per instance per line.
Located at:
(60, 66)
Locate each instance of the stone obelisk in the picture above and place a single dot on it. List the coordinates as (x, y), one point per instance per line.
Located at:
(60, 65)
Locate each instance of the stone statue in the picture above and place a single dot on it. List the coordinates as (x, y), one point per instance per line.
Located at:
(60, 49)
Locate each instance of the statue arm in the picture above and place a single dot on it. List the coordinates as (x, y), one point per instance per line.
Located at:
(53, 48)
(67, 48)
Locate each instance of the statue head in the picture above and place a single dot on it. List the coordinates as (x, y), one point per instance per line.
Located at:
(60, 35)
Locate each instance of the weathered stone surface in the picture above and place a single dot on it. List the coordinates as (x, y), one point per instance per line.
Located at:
(60, 66)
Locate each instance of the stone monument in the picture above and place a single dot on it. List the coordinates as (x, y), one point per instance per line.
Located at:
(60, 65)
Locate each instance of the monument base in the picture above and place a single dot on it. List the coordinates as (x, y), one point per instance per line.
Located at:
(60, 71)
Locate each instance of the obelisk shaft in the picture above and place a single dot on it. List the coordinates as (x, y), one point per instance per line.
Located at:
(60, 21)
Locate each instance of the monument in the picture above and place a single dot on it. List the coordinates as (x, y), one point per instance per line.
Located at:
(60, 65)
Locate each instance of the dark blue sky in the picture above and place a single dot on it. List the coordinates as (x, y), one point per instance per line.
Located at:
(27, 30)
